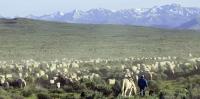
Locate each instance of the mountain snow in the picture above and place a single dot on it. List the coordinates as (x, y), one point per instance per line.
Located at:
(167, 16)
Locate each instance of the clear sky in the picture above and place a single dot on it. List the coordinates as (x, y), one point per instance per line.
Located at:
(39, 7)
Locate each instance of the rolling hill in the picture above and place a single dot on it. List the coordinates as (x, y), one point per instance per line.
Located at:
(193, 24)
(41, 40)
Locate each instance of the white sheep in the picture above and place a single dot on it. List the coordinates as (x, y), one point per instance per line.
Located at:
(111, 81)
(52, 81)
(58, 85)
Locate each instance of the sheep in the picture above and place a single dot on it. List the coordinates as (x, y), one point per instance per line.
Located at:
(164, 58)
(6, 85)
(63, 80)
(194, 62)
(64, 67)
(134, 68)
(169, 58)
(55, 78)
(159, 58)
(94, 75)
(128, 73)
(138, 65)
(108, 67)
(122, 67)
(41, 73)
(2, 79)
(126, 59)
(65, 64)
(171, 66)
(111, 81)
(8, 76)
(73, 77)
(86, 77)
(20, 75)
(65, 70)
(144, 67)
(97, 61)
(37, 75)
(18, 83)
(74, 65)
(52, 81)
(52, 68)
(58, 84)
(26, 75)
(174, 57)
(190, 55)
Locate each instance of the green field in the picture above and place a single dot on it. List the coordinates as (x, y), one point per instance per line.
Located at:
(41, 40)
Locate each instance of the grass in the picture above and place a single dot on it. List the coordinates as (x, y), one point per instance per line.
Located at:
(41, 40)
(170, 87)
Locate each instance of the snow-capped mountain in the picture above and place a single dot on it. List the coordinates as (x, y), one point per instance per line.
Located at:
(167, 16)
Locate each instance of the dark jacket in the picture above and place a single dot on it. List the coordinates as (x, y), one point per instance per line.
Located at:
(142, 83)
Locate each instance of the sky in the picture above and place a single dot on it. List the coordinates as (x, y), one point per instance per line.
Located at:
(12, 8)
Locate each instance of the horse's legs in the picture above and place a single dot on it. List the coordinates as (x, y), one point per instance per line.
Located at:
(122, 92)
(126, 92)
(123, 87)
(130, 91)
(135, 91)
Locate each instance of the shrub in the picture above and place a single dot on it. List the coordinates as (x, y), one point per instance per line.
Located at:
(3, 92)
(43, 82)
(43, 96)
(39, 89)
(59, 91)
(90, 85)
(68, 88)
(27, 93)
(163, 76)
(69, 96)
(116, 88)
(98, 95)
(77, 87)
(86, 93)
(106, 90)
(98, 80)
(29, 79)
(55, 96)
(4, 97)
(15, 96)
(167, 86)
(180, 79)
(94, 95)
(154, 85)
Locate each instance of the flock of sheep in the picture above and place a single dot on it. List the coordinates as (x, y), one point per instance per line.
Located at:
(59, 73)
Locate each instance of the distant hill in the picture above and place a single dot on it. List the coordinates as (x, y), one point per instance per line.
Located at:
(41, 40)
(193, 24)
(166, 16)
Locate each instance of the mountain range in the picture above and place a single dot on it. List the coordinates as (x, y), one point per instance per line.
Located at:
(166, 16)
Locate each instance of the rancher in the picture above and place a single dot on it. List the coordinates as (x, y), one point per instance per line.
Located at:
(142, 83)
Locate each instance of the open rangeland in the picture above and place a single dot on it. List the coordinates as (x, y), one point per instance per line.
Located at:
(47, 60)
(40, 40)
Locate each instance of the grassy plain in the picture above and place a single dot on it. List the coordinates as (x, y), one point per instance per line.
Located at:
(41, 40)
